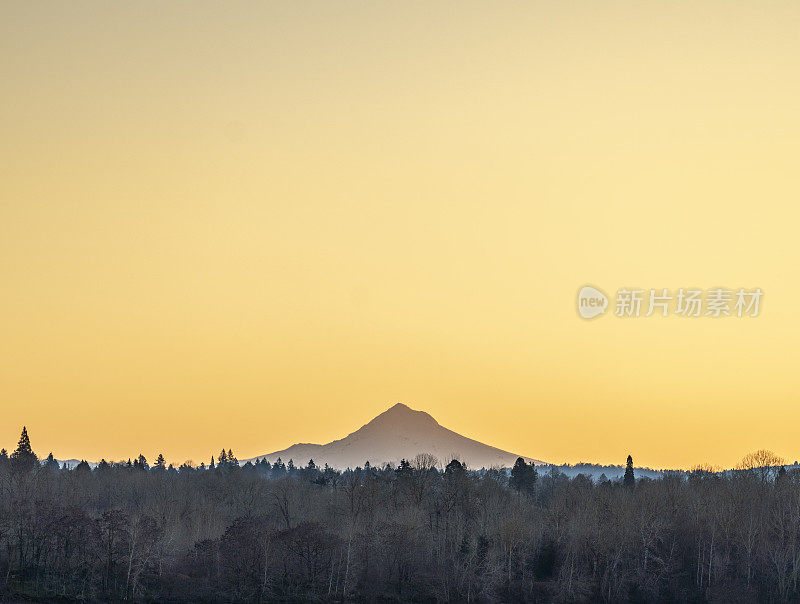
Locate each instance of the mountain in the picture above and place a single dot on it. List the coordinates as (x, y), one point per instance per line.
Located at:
(398, 433)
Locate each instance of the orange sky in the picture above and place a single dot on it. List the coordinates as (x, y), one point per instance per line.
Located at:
(248, 224)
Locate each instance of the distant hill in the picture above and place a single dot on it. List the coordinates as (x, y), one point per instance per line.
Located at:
(597, 471)
(71, 463)
(398, 433)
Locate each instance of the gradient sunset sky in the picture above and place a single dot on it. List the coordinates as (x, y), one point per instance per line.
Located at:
(248, 224)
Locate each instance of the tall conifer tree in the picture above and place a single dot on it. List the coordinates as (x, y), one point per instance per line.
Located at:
(629, 480)
(23, 458)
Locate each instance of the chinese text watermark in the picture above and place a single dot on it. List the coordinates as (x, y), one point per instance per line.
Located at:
(684, 302)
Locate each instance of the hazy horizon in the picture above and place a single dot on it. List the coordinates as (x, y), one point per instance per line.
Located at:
(302, 456)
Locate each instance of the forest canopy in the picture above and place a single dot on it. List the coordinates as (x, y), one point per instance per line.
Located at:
(414, 532)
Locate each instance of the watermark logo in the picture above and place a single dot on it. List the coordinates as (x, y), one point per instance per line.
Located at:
(591, 302)
(717, 302)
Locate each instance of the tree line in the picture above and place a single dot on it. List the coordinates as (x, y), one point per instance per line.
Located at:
(414, 532)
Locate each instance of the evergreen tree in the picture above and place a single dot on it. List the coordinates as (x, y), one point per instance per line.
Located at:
(290, 468)
(453, 469)
(23, 459)
(24, 444)
(523, 476)
(51, 463)
(404, 469)
(83, 467)
(330, 476)
(278, 469)
(143, 462)
(312, 473)
(211, 466)
(232, 461)
(629, 480)
(517, 473)
(222, 460)
(160, 462)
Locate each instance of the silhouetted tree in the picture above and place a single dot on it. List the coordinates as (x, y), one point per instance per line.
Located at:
(232, 461)
(404, 470)
(23, 459)
(141, 463)
(454, 468)
(763, 463)
(523, 476)
(278, 469)
(629, 480)
(50, 463)
(330, 476)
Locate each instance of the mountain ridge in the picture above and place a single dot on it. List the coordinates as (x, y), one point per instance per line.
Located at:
(399, 432)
